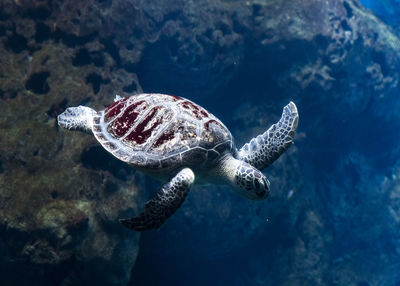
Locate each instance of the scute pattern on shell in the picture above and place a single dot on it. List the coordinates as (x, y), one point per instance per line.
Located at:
(158, 130)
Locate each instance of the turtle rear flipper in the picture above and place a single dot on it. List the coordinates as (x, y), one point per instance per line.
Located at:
(263, 150)
(168, 199)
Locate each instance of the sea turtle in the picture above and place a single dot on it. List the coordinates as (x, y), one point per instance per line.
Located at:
(172, 138)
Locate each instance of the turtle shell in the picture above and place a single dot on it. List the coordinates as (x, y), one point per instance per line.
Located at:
(161, 131)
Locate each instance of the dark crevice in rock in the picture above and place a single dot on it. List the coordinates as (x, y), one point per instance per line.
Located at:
(3, 15)
(81, 58)
(8, 94)
(345, 26)
(43, 32)
(44, 61)
(137, 33)
(57, 109)
(72, 40)
(17, 259)
(172, 16)
(349, 11)
(358, 4)
(2, 30)
(224, 28)
(1, 167)
(105, 3)
(96, 158)
(257, 9)
(130, 47)
(380, 58)
(37, 83)
(84, 57)
(54, 194)
(111, 187)
(96, 81)
(130, 67)
(238, 27)
(97, 58)
(130, 88)
(16, 43)
(12, 94)
(37, 13)
(112, 49)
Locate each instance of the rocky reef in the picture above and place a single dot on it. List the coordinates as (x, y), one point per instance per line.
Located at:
(333, 214)
(60, 194)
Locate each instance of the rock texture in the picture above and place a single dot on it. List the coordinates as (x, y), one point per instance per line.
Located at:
(60, 194)
(333, 214)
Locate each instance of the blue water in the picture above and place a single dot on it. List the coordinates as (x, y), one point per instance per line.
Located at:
(387, 10)
(350, 153)
(333, 216)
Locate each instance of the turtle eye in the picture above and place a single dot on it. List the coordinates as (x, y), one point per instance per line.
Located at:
(261, 189)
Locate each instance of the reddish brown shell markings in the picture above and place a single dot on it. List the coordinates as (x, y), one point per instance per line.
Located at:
(126, 120)
(212, 121)
(158, 126)
(139, 134)
(175, 98)
(114, 109)
(205, 114)
(196, 110)
(165, 137)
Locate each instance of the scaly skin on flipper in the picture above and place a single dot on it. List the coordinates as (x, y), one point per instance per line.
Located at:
(168, 199)
(263, 150)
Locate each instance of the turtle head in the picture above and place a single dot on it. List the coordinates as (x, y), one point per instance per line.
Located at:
(244, 178)
(77, 118)
(250, 182)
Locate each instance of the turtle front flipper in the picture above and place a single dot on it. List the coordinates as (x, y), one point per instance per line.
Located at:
(263, 150)
(168, 199)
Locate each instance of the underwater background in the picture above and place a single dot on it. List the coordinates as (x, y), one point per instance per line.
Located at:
(333, 216)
